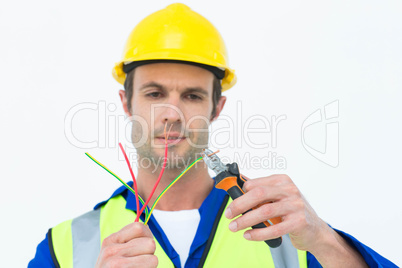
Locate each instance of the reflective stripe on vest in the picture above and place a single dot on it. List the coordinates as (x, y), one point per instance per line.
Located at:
(112, 217)
(76, 239)
(76, 243)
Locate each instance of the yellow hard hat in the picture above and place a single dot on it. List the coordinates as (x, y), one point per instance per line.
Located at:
(176, 33)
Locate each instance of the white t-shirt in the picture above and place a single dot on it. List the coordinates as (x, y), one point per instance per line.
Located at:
(180, 228)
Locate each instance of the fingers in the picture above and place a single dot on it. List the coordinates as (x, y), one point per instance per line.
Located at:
(132, 246)
(146, 261)
(129, 232)
(139, 246)
(250, 200)
(135, 247)
(269, 233)
(273, 188)
(261, 214)
(275, 196)
(293, 223)
(269, 181)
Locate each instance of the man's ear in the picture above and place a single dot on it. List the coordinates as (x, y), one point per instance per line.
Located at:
(123, 99)
(219, 107)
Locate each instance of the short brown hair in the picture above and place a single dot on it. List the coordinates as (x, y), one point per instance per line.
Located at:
(216, 91)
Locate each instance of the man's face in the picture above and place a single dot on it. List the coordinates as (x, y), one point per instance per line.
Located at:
(179, 95)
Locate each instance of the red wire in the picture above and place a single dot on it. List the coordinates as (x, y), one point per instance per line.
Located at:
(160, 174)
(132, 175)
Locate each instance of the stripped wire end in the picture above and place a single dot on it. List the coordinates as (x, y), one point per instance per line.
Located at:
(164, 133)
(167, 135)
(159, 178)
(213, 153)
(209, 155)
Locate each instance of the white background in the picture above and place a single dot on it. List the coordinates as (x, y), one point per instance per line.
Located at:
(291, 58)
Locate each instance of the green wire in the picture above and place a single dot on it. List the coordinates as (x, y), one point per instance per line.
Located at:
(167, 188)
(125, 184)
(147, 212)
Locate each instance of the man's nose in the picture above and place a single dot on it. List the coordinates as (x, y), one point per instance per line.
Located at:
(171, 111)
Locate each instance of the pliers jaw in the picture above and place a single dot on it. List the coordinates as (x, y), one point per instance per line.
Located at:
(213, 162)
(221, 170)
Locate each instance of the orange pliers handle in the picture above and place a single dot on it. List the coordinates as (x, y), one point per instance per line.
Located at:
(232, 182)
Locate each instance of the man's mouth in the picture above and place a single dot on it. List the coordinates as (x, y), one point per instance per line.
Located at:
(172, 139)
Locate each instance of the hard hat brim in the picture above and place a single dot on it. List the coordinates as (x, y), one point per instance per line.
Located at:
(228, 81)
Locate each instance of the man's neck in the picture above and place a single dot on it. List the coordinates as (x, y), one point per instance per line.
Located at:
(187, 193)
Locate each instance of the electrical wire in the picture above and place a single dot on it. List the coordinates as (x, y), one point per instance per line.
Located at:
(135, 192)
(160, 174)
(168, 187)
(132, 175)
(117, 177)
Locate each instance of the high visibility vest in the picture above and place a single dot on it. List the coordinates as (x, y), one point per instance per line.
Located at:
(77, 242)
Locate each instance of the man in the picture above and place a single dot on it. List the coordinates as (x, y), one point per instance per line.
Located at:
(174, 68)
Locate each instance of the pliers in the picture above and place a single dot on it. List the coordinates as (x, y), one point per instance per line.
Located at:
(229, 179)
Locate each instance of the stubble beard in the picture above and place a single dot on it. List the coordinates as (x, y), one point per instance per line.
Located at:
(148, 153)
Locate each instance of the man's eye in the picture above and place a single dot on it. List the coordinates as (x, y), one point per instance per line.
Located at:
(193, 97)
(154, 94)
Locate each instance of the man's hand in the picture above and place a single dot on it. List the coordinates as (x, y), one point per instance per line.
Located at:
(132, 246)
(299, 219)
(306, 230)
